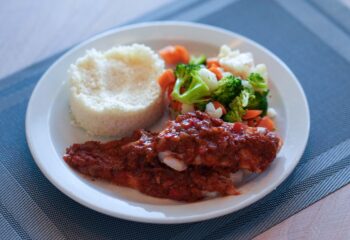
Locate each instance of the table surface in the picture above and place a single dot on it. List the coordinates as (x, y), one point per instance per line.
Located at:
(29, 32)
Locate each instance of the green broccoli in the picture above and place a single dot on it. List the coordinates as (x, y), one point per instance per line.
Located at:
(184, 71)
(189, 87)
(258, 82)
(237, 107)
(229, 87)
(259, 101)
(246, 96)
(231, 116)
(198, 60)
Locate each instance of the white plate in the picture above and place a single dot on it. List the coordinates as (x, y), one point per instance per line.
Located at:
(49, 130)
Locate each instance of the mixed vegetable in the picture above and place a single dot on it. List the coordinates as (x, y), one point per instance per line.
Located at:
(229, 86)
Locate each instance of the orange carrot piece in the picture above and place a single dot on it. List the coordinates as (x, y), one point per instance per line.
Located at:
(168, 54)
(166, 79)
(251, 114)
(219, 105)
(216, 71)
(212, 62)
(183, 54)
(173, 55)
(170, 91)
(268, 123)
(253, 122)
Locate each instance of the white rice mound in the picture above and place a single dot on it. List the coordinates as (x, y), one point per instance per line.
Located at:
(115, 92)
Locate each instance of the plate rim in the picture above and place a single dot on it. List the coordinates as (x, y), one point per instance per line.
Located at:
(208, 215)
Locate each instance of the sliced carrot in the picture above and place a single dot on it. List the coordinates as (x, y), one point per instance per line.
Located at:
(219, 105)
(183, 54)
(170, 91)
(268, 123)
(212, 62)
(173, 55)
(216, 71)
(168, 54)
(253, 122)
(166, 79)
(251, 114)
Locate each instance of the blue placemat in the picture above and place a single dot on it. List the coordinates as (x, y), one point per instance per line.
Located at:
(307, 35)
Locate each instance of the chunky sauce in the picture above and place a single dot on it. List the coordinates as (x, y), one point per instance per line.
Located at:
(210, 149)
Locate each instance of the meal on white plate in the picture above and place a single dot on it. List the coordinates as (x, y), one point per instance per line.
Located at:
(220, 126)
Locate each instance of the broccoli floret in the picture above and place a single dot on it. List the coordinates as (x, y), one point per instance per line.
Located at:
(258, 82)
(229, 87)
(245, 96)
(259, 101)
(236, 107)
(189, 87)
(252, 97)
(185, 71)
(198, 60)
(231, 116)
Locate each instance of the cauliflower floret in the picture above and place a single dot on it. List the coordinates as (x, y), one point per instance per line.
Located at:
(227, 52)
(239, 64)
(271, 112)
(209, 78)
(210, 109)
(262, 70)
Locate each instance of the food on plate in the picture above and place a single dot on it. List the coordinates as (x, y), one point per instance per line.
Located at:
(194, 157)
(115, 92)
(229, 86)
(175, 54)
(220, 124)
(197, 139)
